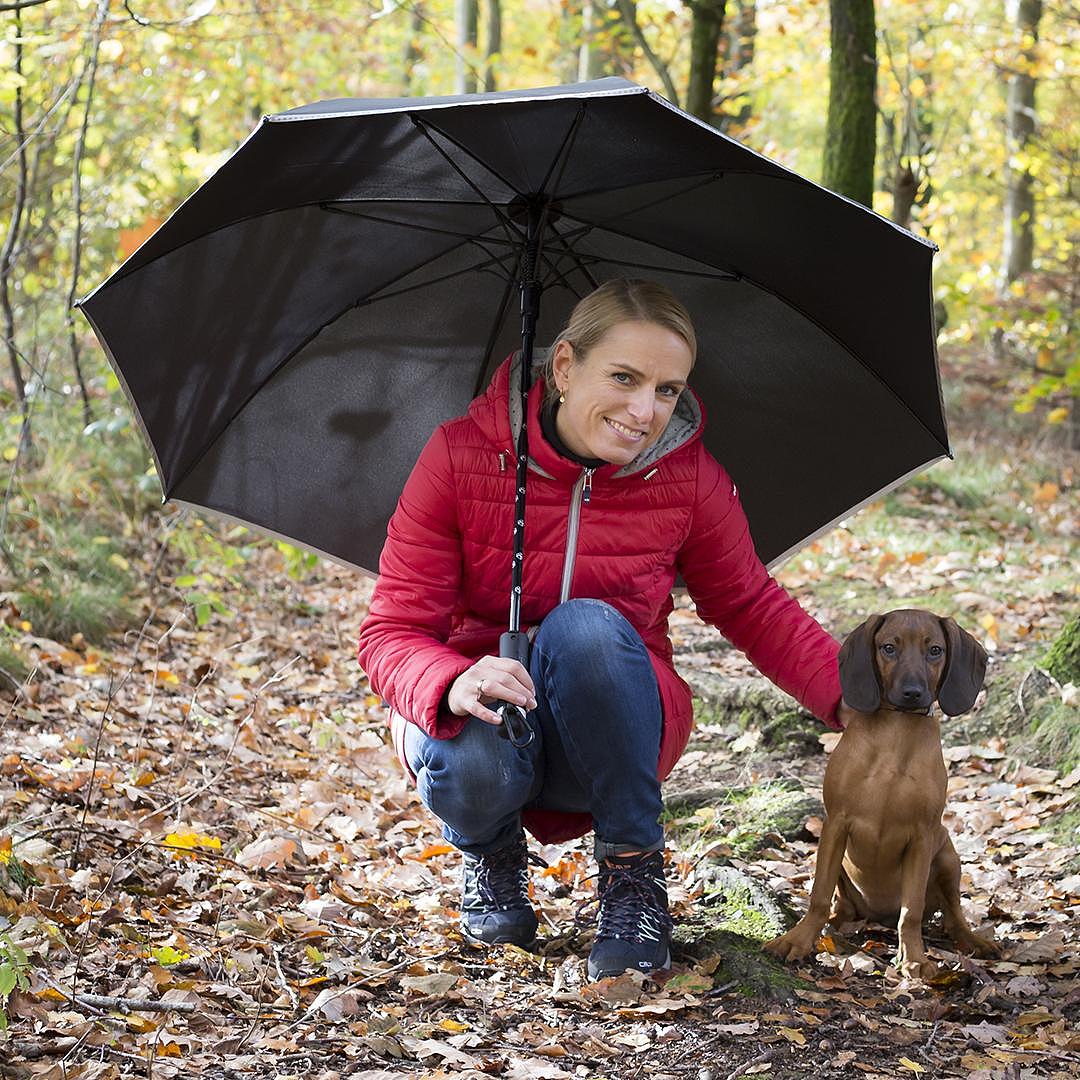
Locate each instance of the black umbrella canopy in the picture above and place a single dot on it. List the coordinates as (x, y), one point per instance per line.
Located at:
(290, 337)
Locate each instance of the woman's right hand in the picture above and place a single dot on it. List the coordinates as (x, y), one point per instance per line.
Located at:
(490, 679)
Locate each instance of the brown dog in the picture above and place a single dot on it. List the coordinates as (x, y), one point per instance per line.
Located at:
(883, 848)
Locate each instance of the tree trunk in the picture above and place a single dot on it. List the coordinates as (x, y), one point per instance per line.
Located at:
(7, 254)
(467, 17)
(494, 41)
(607, 42)
(705, 31)
(413, 53)
(1019, 248)
(743, 40)
(628, 11)
(848, 166)
(569, 41)
(89, 74)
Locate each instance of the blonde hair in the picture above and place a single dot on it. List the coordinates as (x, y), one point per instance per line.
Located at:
(617, 301)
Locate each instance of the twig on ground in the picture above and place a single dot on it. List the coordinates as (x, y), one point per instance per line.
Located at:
(282, 980)
(771, 1054)
(182, 800)
(105, 1002)
(34, 1051)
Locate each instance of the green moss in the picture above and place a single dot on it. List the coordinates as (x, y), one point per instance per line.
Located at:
(742, 818)
(1063, 659)
(1065, 829)
(1054, 735)
(732, 921)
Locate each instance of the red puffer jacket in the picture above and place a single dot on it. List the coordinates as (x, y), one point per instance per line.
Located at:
(441, 599)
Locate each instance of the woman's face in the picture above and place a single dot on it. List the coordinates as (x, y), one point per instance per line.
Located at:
(620, 396)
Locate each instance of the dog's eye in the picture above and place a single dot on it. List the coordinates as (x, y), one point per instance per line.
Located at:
(936, 651)
(888, 648)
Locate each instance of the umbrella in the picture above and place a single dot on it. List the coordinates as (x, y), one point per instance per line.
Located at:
(350, 277)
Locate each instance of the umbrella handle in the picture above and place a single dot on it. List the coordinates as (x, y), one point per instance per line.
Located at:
(514, 645)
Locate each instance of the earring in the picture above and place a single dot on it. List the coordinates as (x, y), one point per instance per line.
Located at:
(562, 399)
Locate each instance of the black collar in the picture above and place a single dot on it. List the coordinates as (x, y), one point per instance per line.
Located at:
(547, 425)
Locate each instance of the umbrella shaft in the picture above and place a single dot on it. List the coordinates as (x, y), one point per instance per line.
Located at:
(530, 309)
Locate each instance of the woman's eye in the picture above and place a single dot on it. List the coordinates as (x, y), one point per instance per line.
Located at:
(622, 376)
(668, 391)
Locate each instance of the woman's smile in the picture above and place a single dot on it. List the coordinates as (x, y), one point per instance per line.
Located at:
(624, 431)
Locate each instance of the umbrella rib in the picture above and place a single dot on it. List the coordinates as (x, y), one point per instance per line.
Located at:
(425, 124)
(469, 238)
(377, 294)
(329, 207)
(719, 276)
(712, 178)
(427, 282)
(738, 275)
(502, 218)
(553, 264)
(560, 159)
(493, 335)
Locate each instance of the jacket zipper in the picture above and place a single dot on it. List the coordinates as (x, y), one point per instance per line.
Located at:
(580, 494)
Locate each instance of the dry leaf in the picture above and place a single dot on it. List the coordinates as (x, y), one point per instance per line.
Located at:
(268, 851)
(434, 985)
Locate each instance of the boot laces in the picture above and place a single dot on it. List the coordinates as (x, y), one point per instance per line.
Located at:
(633, 901)
(502, 877)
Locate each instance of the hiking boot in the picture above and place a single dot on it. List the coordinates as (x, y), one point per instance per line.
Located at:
(495, 905)
(633, 928)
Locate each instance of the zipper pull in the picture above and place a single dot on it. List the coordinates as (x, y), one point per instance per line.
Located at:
(502, 461)
(586, 491)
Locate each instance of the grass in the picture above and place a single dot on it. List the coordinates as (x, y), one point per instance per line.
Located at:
(13, 665)
(76, 520)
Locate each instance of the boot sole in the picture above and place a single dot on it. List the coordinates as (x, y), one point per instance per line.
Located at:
(595, 974)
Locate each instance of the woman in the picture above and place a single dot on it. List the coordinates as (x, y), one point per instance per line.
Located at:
(623, 497)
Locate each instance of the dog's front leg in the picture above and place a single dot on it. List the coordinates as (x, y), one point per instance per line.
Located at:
(801, 939)
(944, 893)
(911, 957)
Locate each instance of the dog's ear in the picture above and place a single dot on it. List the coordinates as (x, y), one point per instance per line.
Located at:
(965, 669)
(858, 671)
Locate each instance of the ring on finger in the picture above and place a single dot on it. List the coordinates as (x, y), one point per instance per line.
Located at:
(480, 688)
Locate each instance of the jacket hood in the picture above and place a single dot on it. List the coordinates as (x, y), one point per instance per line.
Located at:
(498, 414)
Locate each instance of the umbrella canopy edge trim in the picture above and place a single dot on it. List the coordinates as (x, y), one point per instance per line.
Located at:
(479, 100)
(130, 400)
(829, 526)
(271, 534)
(663, 101)
(119, 271)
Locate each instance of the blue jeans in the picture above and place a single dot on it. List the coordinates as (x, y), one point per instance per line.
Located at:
(597, 743)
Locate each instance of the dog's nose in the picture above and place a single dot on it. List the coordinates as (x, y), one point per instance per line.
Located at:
(915, 696)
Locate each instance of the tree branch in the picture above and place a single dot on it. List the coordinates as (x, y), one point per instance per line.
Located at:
(15, 225)
(89, 73)
(22, 4)
(629, 16)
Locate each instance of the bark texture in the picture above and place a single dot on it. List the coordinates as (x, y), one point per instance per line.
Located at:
(850, 135)
(705, 31)
(467, 19)
(1019, 246)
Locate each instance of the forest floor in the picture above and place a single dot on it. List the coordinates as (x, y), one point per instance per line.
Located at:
(208, 820)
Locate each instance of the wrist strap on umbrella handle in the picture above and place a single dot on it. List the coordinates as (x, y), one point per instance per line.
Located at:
(514, 645)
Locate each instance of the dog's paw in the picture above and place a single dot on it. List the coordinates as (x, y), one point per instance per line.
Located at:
(915, 966)
(793, 945)
(977, 945)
